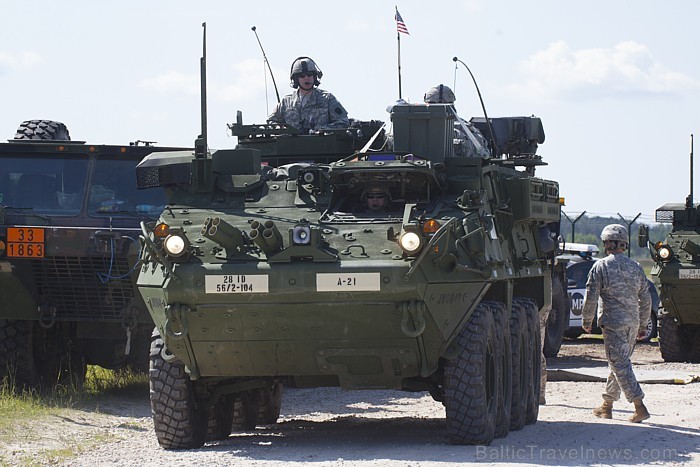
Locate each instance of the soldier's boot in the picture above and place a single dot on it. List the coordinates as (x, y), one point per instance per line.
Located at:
(604, 411)
(640, 412)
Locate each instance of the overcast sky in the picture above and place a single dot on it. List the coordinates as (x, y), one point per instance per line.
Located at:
(616, 83)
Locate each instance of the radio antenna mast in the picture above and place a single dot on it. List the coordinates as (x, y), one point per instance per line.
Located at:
(267, 63)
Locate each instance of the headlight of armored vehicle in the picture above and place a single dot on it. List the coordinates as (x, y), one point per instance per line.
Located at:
(665, 252)
(410, 242)
(176, 244)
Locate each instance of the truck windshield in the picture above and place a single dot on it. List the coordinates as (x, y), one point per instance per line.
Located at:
(113, 190)
(45, 184)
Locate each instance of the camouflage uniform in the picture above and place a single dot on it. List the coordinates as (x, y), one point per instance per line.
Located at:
(619, 286)
(544, 316)
(317, 110)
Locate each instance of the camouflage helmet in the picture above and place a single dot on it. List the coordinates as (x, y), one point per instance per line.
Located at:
(439, 94)
(302, 65)
(615, 233)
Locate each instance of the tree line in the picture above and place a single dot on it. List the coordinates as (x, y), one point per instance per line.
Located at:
(587, 230)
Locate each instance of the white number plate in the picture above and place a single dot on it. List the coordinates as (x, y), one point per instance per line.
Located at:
(358, 282)
(236, 283)
(689, 273)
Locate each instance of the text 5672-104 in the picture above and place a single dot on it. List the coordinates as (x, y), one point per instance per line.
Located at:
(236, 283)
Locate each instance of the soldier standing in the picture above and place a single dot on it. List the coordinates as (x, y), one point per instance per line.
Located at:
(309, 108)
(624, 309)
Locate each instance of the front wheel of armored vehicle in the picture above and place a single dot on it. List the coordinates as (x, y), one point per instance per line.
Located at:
(42, 129)
(672, 340)
(471, 381)
(179, 419)
(35, 357)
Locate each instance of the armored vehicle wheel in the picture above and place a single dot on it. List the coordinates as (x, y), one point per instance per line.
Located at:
(270, 404)
(502, 324)
(220, 419)
(672, 341)
(520, 376)
(557, 321)
(36, 358)
(534, 351)
(246, 407)
(472, 382)
(42, 129)
(180, 421)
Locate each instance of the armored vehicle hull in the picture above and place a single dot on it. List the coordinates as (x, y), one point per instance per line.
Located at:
(676, 273)
(267, 267)
(69, 227)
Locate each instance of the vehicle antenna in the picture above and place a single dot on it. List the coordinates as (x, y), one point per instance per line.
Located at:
(200, 144)
(488, 122)
(268, 64)
(689, 200)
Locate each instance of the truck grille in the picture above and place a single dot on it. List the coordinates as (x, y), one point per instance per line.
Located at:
(74, 286)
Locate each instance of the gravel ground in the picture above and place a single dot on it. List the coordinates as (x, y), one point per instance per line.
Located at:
(363, 428)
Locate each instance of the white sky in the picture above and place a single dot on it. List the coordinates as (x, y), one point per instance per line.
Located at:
(615, 82)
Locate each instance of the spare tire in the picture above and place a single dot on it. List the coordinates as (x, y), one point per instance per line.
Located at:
(43, 129)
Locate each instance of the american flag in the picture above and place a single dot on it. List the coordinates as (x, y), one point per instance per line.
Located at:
(400, 25)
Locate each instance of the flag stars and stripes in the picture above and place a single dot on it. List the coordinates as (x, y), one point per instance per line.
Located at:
(400, 25)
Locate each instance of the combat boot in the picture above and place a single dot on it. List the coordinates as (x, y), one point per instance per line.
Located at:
(604, 411)
(640, 412)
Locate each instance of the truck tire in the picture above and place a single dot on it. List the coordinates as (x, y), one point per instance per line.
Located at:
(42, 129)
(502, 325)
(270, 404)
(557, 321)
(519, 367)
(220, 421)
(651, 328)
(246, 407)
(471, 382)
(672, 341)
(533, 351)
(34, 358)
(180, 422)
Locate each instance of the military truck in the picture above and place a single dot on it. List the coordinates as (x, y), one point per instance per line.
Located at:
(266, 268)
(676, 273)
(69, 227)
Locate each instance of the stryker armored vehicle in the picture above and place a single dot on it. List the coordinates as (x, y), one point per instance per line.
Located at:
(69, 228)
(676, 272)
(266, 268)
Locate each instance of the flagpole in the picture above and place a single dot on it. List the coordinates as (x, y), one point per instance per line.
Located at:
(398, 41)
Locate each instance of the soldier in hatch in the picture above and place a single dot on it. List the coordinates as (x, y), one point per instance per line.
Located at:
(624, 309)
(375, 199)
(468, 141)
(309, 108)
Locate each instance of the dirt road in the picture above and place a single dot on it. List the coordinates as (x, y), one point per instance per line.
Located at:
(363, 428)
